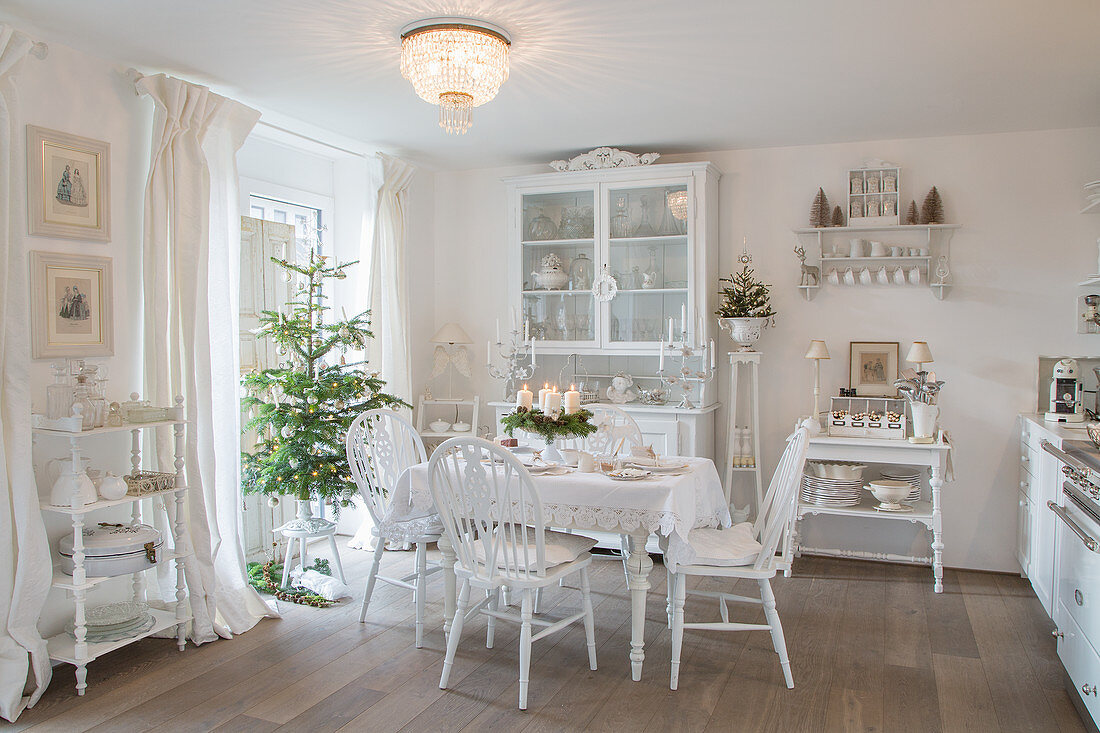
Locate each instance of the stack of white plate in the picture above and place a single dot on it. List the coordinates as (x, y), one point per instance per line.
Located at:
(115, 621)
(912, 475)
(831, 491)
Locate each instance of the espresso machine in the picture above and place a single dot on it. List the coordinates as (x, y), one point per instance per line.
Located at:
(1066, 394)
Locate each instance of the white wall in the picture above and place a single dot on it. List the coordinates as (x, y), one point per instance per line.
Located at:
(86, 96)
(1022, 247)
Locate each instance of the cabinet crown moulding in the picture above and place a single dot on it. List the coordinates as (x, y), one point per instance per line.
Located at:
(599, 158)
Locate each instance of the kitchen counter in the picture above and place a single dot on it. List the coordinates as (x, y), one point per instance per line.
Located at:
(1061, 431)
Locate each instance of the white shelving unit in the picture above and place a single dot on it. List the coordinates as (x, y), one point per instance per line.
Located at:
(936, 239)
(74, 648)
(470, 406)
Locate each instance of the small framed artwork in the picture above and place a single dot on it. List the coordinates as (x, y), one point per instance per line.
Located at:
(71, 299)
(68, 185)
(873, 368)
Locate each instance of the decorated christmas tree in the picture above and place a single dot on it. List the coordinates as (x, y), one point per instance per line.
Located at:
(301, 409)
(745, 297)
(819, 210)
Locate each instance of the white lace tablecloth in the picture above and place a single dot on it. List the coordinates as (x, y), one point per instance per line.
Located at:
(668, 505)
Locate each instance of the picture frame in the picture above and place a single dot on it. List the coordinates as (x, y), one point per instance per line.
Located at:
(62, 201)
(873, 368)
(72, 313)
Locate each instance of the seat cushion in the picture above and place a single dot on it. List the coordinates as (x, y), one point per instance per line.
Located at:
(725, 547)
(559, 548)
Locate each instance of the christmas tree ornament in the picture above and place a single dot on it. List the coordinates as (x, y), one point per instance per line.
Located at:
(287, 431)
(273, 501)
(819, 210)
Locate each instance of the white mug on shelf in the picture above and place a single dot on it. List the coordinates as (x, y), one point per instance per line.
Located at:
(899, 276)
(897, 251)
(878, 249)
(914, 252)
(833, 276)
(855, 247)
(864, 276)
(882, 276)
(922, 251)
(849, 277)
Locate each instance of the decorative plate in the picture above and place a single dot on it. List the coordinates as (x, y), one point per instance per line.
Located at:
(113, 614)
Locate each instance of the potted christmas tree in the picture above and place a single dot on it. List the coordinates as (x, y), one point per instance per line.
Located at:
(745, 310)
(301, 410)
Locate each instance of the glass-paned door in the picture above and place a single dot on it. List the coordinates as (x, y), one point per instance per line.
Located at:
(558, 264)
(650, 259)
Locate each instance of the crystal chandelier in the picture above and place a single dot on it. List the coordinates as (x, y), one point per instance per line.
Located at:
(456, 63)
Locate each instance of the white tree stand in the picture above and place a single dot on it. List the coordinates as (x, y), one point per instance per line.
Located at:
(302, 529)
(749, 362)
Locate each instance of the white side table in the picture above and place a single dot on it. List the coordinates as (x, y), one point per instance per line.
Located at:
(303, 529)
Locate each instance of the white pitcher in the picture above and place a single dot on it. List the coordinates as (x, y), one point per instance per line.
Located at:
(62, 478)
(924, 419)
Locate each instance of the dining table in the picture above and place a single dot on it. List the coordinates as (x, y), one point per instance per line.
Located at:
(669, 504)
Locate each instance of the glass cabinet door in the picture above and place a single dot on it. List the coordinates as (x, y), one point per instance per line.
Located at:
(558, 265)
(650, 259)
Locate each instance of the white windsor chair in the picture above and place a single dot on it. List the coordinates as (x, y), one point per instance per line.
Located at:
(492, 516)
(743, 551)
(380, 445)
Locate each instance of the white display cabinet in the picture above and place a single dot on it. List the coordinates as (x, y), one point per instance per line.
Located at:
(654, 228)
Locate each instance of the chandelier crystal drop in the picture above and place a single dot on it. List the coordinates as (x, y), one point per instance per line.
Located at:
(456, 63)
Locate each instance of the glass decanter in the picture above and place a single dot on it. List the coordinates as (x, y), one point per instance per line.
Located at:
(542, 227)
(87, 409)
(644, 228)
(651, 278)
(620, 222)
(59, 395)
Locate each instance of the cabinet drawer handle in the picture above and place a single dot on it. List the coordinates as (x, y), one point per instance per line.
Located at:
(1088, 540)
(1088, 689)
(1058, 634)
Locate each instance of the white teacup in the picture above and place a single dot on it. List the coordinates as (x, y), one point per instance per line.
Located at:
(586, 462)
(882, 276)
(897, 251)
(922, 251)
(833, 276)
(849, 277)
(914, 252)
(914, 275)
(855, 247)
(878, 249)
(899, 276)
(864, 276)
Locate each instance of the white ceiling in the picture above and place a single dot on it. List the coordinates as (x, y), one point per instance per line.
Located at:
(672, 76)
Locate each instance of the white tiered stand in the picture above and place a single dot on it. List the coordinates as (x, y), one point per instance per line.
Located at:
(77, 651)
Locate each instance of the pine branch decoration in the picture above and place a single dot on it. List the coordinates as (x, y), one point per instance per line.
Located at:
(838, 216)
(911, 216)
(819, 210)
(932, 210)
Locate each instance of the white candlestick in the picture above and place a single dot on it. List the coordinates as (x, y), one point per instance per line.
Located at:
(670, 330)
(533, 364)
(661, 362)
(526, 330)
(488, 352)
(498, 330)
(684, 318)
(712, 353)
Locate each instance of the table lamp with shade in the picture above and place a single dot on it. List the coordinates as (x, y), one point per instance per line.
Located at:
(817, 352)
(451, 351)
(919, 354)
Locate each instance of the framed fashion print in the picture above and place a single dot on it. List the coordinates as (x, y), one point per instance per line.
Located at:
(68, 185)
(873, 368)
(71, 306)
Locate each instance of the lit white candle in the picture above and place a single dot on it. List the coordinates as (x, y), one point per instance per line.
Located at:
(542, 396)
(524, 398)
(572, 400)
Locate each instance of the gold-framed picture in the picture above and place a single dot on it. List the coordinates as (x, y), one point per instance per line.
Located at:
(68, 185)
(71, 305)
(873, 368)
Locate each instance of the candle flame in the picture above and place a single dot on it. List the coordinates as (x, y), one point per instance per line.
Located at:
(525, 385)
(573, 387)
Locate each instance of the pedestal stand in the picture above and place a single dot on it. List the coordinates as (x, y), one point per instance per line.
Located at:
(749, 362)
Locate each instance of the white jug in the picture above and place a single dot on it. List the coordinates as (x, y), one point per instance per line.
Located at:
(112, 487)
(62, 478)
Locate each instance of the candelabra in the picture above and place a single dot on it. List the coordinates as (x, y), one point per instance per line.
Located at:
(514, 351)
(696, 367)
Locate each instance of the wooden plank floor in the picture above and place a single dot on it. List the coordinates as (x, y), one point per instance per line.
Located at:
(872, 649)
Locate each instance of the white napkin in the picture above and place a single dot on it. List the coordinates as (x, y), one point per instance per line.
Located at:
(323, 585)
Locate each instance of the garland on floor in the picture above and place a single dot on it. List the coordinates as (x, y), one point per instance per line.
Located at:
(263, 577)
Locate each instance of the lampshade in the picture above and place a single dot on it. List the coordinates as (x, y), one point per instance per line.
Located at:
(817, 350)
(451, 333)
(456, 63)
(919, 353)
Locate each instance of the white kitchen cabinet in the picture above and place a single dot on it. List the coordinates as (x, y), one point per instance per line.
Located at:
(654, 228)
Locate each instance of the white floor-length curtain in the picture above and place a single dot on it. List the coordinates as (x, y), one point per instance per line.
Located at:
(25, 553)
(389, 289)
(388, 294)
(190, 252)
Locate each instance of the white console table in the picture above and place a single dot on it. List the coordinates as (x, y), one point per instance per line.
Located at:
(875, 450)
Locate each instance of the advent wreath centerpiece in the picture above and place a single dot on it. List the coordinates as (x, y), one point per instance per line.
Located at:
(550, 426)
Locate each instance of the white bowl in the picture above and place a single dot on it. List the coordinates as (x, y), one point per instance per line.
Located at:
(461, 427)
(888, 492)
(439, 426)
(838, 469)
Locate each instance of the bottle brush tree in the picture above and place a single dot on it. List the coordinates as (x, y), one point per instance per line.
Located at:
(744, 297)
(301, 410)
(819, 210)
